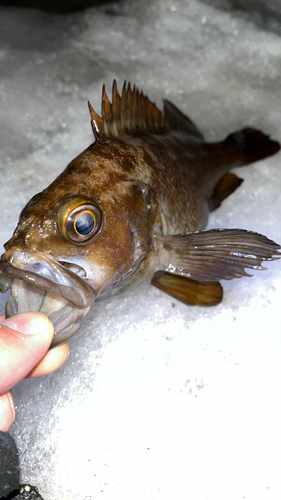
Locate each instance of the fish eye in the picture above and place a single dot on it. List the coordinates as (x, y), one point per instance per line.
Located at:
(79, 219)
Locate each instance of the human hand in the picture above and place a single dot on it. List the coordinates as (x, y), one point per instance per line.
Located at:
(24, 343)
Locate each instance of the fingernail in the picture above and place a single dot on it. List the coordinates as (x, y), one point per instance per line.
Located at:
(29, 323)
(7, 416)
(12, 404)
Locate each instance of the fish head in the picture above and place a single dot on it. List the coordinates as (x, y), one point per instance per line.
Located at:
(80, 240)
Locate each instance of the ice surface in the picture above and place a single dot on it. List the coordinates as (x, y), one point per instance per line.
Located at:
(157, 399)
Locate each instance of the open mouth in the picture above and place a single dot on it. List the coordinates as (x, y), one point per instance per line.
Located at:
(58, 289)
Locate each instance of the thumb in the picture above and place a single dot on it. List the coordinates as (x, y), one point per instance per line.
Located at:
(24, 340)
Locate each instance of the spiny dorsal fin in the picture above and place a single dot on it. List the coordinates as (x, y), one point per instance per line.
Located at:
(129, 113)
(133, 112)
(176, 120)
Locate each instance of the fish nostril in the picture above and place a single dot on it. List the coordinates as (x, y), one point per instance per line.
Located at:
(74, 268)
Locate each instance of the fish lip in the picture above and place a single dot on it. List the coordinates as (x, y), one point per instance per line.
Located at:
(65, 283)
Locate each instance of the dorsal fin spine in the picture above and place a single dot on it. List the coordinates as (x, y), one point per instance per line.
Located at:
(130, 113)
(123, 108)
(129, 105)
(96, 121)
(116, 109)
(133, 112)
(106, 110)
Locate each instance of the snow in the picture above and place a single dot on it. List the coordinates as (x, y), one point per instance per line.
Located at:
(157, 399)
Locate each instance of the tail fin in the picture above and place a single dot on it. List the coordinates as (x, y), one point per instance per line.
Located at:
(253, 145)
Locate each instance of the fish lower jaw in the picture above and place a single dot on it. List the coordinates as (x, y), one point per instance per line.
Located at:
(41, 284)
(66, 318)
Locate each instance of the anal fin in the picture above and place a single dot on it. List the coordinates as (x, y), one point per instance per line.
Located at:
(207, 293)
(226, 186)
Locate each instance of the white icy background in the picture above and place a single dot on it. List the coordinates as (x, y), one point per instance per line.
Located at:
(157, 399)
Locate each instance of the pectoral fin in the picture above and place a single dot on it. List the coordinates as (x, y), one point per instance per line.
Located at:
(215, 254)
(187, 290)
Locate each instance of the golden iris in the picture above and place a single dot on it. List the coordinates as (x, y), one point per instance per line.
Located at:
(79, 219)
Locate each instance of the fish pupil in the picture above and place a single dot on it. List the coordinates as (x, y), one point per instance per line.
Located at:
(85, 223)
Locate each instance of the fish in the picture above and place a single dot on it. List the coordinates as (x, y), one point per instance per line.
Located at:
(132, 209)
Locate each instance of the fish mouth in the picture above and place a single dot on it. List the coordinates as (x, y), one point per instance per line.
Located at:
(58, 289)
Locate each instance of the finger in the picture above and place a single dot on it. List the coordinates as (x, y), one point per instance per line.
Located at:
(24, 340)
(51, 361)
(7, 411)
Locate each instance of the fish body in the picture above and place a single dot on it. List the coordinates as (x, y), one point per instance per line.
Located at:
(132, 208)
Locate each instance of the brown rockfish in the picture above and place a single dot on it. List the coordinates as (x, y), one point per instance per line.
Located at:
(132, 208)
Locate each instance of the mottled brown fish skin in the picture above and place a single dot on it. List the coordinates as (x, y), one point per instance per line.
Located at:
(177, 176)
(152, 176)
